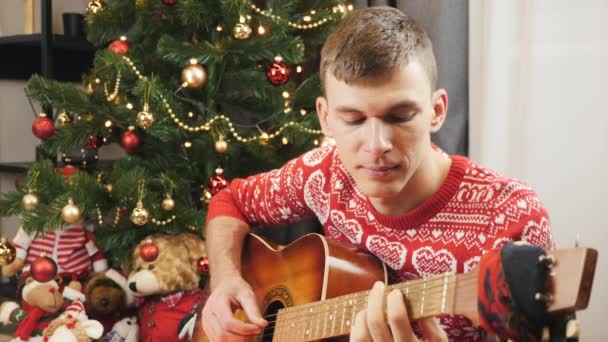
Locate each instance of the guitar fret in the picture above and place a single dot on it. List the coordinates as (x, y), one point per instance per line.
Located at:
(444, 292)
(422, 297)
(325, 315)
(428, 296)
(332, 318)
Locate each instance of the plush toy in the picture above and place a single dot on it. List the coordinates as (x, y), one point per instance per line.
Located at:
(72, 248)
(73, 325)
(125, 330)
(108, 297)
(41, 303)
(165, 280)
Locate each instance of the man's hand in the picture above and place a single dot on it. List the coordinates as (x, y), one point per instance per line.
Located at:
(371, 323)
(218, 321)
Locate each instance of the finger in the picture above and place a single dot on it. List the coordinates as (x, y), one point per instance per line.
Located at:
(250, 306)
(431, 330)
(359, 331)
(223, 314)
(398, 320)
(217, 334)
(374, 316)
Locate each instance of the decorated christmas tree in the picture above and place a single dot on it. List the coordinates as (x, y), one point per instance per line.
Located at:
(196, 93)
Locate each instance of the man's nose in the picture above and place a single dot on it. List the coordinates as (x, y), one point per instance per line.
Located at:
(377, 137)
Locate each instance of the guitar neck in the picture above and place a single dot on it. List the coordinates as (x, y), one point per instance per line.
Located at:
(427, 297)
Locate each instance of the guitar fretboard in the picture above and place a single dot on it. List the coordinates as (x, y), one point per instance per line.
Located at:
(334, 317)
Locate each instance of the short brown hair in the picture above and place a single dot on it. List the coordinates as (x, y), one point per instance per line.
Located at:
(373, 41)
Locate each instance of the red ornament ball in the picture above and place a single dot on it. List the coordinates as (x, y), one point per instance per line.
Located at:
(68, 170)
(169, 2)
(149, 251)
(202, 266)
(130, 140)
(278, 74)
(93, 142)
(44, 269)
(217, 183)
(119, 47)
(43, 127)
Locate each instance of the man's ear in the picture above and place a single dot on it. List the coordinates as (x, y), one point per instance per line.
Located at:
(322, 108)
(440, 109)
(29, 280)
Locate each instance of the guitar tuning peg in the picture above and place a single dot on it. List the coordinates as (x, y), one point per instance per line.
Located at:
(546, 335)
(547, 260)
(543, 297)
(573, 328)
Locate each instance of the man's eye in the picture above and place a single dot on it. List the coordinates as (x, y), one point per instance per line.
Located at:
(400, 118)
(354, 122)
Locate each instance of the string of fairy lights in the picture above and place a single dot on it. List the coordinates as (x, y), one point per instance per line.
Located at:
(307, 19)
(263, 136)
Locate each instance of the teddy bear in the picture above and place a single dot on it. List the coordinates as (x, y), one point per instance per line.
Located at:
(109, 299)
(72, 247)
(165, 280)
(42, 302)
(73, 325)
(125, 330)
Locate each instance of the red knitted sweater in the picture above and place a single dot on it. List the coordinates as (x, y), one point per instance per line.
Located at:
(475, 210)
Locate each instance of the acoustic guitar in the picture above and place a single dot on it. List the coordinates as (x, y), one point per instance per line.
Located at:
(313, 288)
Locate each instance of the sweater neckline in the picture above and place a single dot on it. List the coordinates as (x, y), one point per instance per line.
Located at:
(433, 205)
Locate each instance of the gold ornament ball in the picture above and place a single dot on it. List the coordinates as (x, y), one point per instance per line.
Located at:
(221, 146)
(168, 203)
(140, 215)
(145, 118)
(242, 31)
(95, 6)
(30, 201)
(194, 76)
(108, 188)
(70, 213)
(7, 252)
(206, 197)
(63, 120)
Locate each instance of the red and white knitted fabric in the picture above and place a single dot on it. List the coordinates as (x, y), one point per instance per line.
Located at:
(73, 249)
(474, 210)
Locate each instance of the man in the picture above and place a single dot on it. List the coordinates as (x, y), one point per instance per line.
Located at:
(384, 186)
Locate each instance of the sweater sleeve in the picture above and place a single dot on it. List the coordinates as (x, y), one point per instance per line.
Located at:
(274, 197)
(521, 216)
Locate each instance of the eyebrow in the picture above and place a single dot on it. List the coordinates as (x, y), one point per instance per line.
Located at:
(399, 105)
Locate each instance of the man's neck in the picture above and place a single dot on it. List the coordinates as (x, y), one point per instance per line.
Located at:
(425, 182)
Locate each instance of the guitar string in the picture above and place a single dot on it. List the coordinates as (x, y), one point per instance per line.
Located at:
(358, 307)
(352, 310)
(414, 289)
(328, 307)
(286, 314)
(306, 316)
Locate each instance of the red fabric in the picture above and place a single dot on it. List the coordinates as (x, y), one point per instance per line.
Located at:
(160, 316)
(474, 211)
(33, 321)
(497, 312)
(66, 246)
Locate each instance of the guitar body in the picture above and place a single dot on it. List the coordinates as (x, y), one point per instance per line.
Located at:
(310, 270)
(321, 284)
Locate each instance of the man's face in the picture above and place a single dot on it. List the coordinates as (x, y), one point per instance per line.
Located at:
(382, 127)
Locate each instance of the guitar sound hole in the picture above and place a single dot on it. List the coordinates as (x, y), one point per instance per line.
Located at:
(270, 314)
